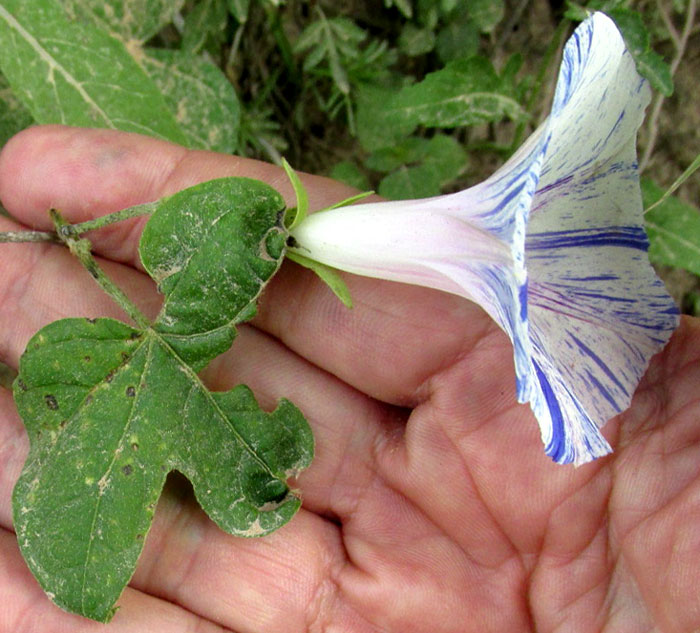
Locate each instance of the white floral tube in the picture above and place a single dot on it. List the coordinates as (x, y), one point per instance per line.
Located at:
(552, 246)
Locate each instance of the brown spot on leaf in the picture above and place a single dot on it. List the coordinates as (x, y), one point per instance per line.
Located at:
(51, 402)
(127, 469)
(130, 391)
(21, 384)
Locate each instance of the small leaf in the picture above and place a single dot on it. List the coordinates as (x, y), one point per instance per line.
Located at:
(673, 228)
(239, 9)
(80, 75)
(440, 160)
(415, 41)
(199, 95)
(459, 38)
(408, 183)
(350, 174)
(409, 150)
(328, 275)
(205, 26)
(486, 13)
(404, 6)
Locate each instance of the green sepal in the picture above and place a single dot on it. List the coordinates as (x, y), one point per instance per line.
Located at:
(328, 275)
(297, 214)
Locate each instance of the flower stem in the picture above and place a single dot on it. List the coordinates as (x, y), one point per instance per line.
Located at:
(82, 249)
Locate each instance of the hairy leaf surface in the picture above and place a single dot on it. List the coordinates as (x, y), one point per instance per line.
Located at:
(127, 19)
(76, 74)
(200, 97)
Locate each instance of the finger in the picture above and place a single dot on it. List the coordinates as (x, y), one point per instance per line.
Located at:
(277, 584)
(25, 608)
(86, 173)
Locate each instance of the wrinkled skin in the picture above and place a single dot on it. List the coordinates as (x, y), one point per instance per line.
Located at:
(430, 506)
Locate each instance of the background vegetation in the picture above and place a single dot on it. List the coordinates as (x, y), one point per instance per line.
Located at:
(406, 97)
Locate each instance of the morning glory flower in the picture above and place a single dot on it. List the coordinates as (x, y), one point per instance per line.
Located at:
(552, 246)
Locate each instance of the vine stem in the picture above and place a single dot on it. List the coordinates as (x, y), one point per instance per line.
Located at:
(680, 42)
(29, 236)
(82, 249)
(80, 227)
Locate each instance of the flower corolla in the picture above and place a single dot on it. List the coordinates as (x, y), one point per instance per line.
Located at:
(552, 246)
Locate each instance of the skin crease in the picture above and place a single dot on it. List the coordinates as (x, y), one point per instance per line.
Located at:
(430, 506)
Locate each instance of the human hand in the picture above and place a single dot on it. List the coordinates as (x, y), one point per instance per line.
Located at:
(430, 506)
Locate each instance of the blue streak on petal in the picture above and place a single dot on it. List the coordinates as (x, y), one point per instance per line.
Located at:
(625, 236)
(556, 444)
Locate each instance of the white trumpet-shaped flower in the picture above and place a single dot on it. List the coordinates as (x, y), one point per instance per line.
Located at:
(552, 246)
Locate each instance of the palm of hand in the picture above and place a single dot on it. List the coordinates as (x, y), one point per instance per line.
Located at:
(430, 505)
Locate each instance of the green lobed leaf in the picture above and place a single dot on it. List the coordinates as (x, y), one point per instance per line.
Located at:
(673, 228)
(211, 248)
(72, 73)
(111, 409)
(129, 20)
(486, 13)
(199, 95)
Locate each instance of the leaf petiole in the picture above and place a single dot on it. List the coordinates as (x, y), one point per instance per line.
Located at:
(125, 214)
